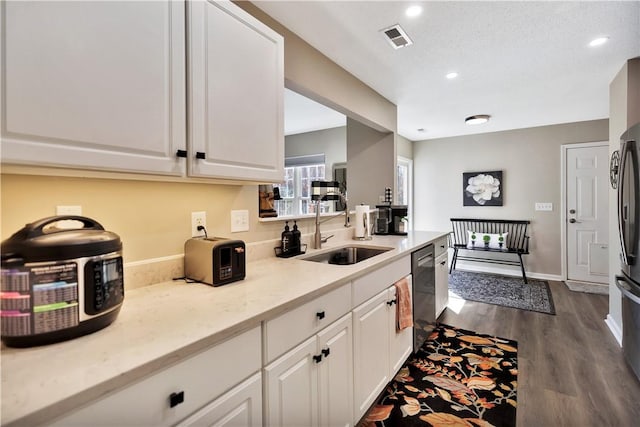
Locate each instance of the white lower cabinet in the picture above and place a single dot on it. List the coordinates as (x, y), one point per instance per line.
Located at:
(216, 376)
(379, 350)
(240, 407)
(311, 385)
(442, 283)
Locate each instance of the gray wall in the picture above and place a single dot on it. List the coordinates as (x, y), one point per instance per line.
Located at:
(530, 163)
(370, 163)
(331, 142)
(404, 147)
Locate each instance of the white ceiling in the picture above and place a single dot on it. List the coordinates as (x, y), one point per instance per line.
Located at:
(525, 63)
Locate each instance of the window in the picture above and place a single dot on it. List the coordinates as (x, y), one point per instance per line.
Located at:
(295, 191)
(405, 185)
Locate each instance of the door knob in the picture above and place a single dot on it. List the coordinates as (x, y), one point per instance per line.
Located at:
(572, 220)
(572, 211)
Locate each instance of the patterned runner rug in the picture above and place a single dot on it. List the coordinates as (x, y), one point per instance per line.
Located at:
(457, 378)
(502, 290)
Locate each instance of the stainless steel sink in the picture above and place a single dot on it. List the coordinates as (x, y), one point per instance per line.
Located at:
(347, 255)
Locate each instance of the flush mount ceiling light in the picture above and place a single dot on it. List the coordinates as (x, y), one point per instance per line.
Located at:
(413, 11)
(452, 75)
(599, 41)
(478, 119)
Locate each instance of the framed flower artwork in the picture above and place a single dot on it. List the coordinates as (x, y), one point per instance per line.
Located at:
(482, 188)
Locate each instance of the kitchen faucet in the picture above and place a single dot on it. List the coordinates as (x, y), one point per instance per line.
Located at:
(318, 240)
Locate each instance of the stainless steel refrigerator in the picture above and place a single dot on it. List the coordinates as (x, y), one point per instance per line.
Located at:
(629, 225)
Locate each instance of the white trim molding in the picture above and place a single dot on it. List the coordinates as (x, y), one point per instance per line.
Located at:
(615, 329)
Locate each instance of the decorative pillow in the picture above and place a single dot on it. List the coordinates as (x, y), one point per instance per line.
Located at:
(486, 240)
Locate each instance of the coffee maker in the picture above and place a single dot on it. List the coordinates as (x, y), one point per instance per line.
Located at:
(391, 219)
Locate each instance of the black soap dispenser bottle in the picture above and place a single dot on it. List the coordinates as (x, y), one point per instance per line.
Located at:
(286, 239)
(296, 245)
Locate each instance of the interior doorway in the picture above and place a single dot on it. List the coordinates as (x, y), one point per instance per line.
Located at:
(585, 216)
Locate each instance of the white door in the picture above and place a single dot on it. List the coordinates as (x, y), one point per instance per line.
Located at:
(336, 374)
(587, 213)
(292, 387)
(370, 351)
(239, 407)
(236, 94)
(400, 342)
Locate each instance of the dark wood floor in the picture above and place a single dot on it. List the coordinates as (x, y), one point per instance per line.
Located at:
(571, 371)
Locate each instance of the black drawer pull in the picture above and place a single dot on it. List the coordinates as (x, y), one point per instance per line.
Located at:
(326, 352)
(390, 303)
(317, 358)
(320, 315)
(443, 262)
(201, 155)
(181, 153)
(176, 398)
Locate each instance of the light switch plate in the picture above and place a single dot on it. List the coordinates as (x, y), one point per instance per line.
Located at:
(239, 221)
(544, 206)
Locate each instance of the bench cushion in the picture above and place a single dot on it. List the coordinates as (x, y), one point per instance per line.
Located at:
(496, 241)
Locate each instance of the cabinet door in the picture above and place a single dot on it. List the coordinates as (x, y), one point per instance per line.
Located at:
(94, 85)
(236, 90)
(401, 342)
(292, 387)
(239, 407)
(370, 351)
(335, 374)
(442, 284)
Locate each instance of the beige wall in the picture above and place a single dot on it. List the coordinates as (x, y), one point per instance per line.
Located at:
(624, 112)
(404, 147)
(530, 161)
(153, 218)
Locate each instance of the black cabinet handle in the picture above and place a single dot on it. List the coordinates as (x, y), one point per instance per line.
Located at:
(390, 303)
(326, 352)
(320, 315)
(442, 246)
(317, 358)
(201, 155)
(443, 262)
(176, 398)
(181, 153)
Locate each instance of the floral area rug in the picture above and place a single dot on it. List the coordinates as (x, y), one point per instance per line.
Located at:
(457, 378)
(502, 290)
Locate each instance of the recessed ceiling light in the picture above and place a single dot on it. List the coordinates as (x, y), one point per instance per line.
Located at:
(478, 119)
(413, 11)
(599, 41)
(452, 75)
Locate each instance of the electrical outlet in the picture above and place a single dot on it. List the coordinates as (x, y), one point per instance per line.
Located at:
(197, 219)
(239, 221)
(544, 206)
(68, 210)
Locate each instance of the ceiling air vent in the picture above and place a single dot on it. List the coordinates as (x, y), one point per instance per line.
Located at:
(396, 36)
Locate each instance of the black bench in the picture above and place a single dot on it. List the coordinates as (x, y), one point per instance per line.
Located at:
(490, 236)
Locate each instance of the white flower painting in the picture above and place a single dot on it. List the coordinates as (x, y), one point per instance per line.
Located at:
(482, 188)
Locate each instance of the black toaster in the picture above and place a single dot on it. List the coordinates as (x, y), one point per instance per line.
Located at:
(213, 260)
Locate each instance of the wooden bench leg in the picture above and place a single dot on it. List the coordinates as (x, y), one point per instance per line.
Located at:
(453, 261)
(524, 275)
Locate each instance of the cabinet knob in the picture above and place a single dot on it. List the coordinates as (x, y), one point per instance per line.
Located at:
(443, 262)
(181, 153)
(390, 303)
(176, 398)
(317, 358)
(320, 315)
(326, 352)
(201, 155)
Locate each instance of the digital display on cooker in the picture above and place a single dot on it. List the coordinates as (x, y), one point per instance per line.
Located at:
(104, 284)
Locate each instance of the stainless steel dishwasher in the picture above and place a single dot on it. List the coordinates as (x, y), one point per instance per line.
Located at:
(424, 294)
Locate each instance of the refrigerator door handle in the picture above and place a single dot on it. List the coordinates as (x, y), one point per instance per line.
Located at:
(627, 289)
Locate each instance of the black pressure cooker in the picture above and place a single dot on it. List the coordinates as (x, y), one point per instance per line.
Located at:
(59, 283)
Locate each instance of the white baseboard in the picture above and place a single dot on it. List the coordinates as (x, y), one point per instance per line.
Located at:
(614, 328)
(590, 288)
(476, 268)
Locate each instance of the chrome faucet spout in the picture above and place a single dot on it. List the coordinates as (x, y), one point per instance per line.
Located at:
(317, 236)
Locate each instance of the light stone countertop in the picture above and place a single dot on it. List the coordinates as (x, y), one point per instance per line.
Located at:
(161, 324)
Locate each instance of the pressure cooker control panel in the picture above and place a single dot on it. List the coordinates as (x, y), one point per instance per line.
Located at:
(104, 284)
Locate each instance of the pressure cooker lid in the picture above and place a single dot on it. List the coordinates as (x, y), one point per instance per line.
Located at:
(43, 241)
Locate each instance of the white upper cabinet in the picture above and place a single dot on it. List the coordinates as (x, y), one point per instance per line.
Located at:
(94, 85)
(236, 89)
